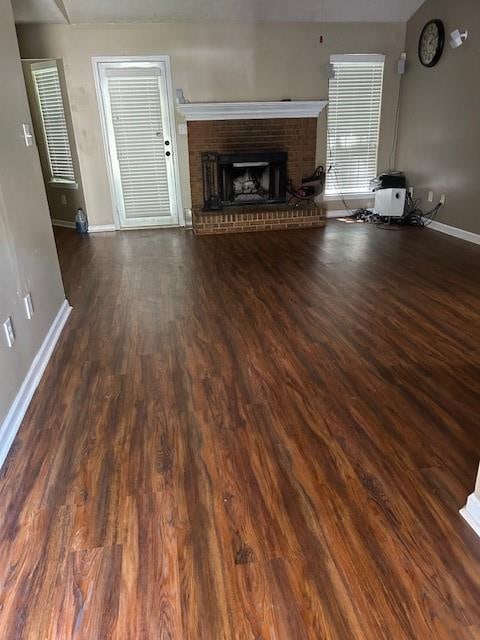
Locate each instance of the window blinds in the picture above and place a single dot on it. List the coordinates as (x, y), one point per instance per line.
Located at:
(355, 100)
(52, 111)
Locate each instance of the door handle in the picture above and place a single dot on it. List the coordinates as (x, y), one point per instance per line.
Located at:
(168, 154)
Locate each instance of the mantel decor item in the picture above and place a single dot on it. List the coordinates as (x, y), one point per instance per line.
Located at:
(213, 202)
(457, 38)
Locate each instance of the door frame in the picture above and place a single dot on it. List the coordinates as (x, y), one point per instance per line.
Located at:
(165, 59)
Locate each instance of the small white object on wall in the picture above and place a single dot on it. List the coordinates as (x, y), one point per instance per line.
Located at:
(180, 96)
(27, 134)
(28, 302)
(9, 332)
(457, 38)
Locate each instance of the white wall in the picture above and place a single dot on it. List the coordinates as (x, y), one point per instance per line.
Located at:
(211, 62)
(28, 258)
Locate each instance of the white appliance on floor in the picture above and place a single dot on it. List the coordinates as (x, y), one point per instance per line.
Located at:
(390, 202)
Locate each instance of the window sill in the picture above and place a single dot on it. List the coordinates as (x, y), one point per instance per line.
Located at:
(349, 196)
(63, 184)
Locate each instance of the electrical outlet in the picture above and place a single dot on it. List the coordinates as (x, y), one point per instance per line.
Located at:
(430, 196)
(442, 199)
(63, 199)
(29, 310)
(9, 332)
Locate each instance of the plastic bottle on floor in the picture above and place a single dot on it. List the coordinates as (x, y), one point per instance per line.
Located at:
(81, 221)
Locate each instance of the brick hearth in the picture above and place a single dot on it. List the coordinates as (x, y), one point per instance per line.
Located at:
(273, 218)
(296, 136)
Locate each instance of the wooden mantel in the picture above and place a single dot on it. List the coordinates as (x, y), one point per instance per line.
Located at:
(252, 110)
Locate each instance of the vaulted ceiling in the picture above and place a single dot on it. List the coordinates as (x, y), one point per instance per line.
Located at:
(90, 11)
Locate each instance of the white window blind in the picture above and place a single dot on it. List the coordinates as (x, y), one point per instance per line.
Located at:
(355, 102)
(50, 102)
(136, 108)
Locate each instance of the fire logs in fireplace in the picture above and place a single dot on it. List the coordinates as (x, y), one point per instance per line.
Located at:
(239, 179)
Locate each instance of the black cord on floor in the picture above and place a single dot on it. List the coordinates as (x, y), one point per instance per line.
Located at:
(413, 216)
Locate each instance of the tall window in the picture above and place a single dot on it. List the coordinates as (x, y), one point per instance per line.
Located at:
(50, 104)
(355, 102)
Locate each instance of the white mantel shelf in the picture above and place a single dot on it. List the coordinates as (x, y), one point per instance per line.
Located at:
(251, 110)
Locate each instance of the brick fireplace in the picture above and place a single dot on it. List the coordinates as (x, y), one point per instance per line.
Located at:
(252, 143)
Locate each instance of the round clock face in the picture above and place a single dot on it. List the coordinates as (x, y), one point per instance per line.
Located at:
(430, 46)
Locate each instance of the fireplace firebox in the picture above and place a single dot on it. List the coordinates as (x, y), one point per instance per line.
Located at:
(239, 179)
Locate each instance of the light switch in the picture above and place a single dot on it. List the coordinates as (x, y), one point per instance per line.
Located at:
(27, 134)
(9, 332)
(182, 129)
(28, 306)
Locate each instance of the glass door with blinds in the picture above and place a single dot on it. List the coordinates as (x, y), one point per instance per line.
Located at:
(138, 131)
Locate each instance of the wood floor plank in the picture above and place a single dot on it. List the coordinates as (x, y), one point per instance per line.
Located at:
(251, 437)
(149, 588)
(87, 606)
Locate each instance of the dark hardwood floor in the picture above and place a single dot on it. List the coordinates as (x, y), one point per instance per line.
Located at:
(251, 437)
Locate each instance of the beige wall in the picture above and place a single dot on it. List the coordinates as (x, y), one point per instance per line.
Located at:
(74, 197)
(210, 62)
(439, 135)
(28, 258)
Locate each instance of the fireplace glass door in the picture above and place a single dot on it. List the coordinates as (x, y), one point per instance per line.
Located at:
(256, 178)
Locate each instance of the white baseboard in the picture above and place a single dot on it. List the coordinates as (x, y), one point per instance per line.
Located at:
(11, 424)
(436, 226)
(68, 224)
(471, 512)
(455, 231)
(100, 228)
(93, 228)
(341, 213)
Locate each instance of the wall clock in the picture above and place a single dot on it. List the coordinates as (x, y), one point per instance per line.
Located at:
(430, 45)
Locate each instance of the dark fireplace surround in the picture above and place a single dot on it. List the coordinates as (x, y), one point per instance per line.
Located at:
(244, 179)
